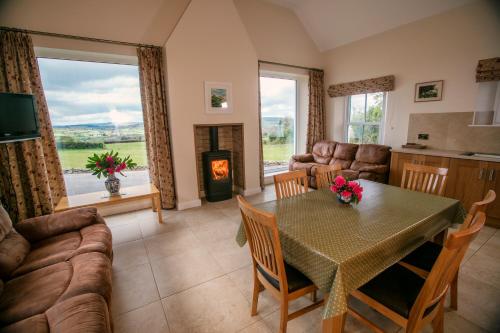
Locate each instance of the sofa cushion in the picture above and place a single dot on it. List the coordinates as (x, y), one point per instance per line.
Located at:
(350, 174)
(13, 250)
(305, 166)
(345, 151)
(94, 238)
(33, 293)
(35, 324)
(323, 151)
(41, 227)
(5, 223)
(84, 313)
(373, 154)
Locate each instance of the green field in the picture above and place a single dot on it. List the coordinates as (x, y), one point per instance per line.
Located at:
(277, 152)
(77, 158)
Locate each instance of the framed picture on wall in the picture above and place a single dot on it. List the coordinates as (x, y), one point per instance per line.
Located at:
(218, 97)
(429, 91)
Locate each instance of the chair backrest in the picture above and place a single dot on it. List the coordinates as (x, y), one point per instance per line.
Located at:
(444, 270)
(479, 206)
(263, 239)
(325, 175)
(291, 183)
(424, 178)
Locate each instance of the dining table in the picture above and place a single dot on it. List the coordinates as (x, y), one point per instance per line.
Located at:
(340, 247)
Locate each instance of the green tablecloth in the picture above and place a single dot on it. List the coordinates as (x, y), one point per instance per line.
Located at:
(341, 247)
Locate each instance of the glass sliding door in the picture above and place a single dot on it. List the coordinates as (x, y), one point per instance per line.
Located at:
(279, 121)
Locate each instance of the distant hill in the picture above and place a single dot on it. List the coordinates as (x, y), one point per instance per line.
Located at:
(270, 122)
(99, 126)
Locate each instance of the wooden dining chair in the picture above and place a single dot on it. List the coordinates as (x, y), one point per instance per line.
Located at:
(408, 299)
(424, 178)
(424, 257)
(325, 175)
(270, 271)
(291, 183)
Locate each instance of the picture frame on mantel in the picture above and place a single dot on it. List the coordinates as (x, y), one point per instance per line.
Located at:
(218, 97)
(431, 91)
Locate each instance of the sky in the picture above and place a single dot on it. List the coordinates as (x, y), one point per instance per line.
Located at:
(79, 92)
(278, 97)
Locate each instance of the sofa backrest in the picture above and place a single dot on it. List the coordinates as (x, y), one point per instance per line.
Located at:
(323, 151)
(344, 154)
(13, 246)
(373, 154)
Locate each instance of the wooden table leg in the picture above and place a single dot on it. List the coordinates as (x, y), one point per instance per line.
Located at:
(158, 208)
(334, 324)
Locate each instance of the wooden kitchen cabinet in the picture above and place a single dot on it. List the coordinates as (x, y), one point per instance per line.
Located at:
(492, 178)
(468, 180)
(398, 161)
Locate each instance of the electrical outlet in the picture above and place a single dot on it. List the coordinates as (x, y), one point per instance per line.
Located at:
(423, 136)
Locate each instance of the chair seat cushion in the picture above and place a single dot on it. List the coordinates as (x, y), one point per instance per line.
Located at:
(396, 288)
(296, 280)
(424, 257)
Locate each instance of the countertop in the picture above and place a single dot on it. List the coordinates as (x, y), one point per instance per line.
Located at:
(444, 153)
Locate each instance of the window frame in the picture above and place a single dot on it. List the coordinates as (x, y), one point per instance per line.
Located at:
(381, 124)
(296, 122)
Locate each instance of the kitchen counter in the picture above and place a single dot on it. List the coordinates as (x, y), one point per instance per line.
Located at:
(444, 153)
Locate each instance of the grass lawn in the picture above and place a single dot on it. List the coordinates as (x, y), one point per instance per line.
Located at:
(77, 158)
(277, 152)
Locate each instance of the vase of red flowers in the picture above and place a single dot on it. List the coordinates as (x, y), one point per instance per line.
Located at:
(108, 165)
(348, 192)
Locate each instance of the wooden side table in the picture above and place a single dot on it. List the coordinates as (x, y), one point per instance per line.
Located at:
(103, 199)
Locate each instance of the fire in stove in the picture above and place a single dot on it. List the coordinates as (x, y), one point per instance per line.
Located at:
(220, 169)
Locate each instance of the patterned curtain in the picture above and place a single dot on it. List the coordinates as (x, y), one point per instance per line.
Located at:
(261, 153)
(31, 179)
(488, 70)
(154, 107)
(378, 84)
(316, 124)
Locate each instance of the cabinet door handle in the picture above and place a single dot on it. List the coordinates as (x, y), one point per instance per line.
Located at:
(492, 175)
(481, 171)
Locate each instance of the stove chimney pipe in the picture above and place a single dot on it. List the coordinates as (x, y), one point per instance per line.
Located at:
(214, 138)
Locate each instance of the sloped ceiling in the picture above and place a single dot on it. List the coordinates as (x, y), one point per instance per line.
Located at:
(332, 23)
(144, 21)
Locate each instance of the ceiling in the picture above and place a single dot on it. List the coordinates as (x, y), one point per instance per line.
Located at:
(332, 23)
(145, 21)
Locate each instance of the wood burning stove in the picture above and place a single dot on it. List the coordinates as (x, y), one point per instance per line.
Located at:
(217, 175)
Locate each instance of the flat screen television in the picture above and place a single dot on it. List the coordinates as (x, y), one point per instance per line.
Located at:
(18, 117)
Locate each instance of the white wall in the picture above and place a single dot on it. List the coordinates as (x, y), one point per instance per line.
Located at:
(210, 43)
(443, 47)
(277, 34)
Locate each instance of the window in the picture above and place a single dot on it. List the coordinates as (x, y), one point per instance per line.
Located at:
(365, 114)
(279, 111)
(94, 107)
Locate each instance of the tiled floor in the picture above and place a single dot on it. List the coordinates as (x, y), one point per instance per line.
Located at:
(189, 275)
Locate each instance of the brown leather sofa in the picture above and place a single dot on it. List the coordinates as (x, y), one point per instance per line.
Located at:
(365, 161)
(55, 273)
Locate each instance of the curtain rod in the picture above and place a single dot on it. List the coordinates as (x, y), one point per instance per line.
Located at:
(88, 39)
(287, 65)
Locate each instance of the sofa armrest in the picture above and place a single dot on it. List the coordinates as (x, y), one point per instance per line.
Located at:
(41, 227)
(304, 158)
(381, 169)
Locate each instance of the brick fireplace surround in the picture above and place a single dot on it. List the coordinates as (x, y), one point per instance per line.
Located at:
(230, 138)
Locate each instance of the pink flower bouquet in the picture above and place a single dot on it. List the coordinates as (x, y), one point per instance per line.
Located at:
(347, 191)
(109, 163)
